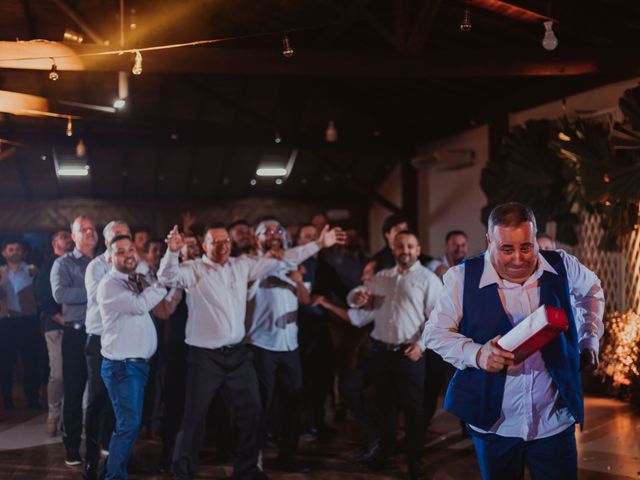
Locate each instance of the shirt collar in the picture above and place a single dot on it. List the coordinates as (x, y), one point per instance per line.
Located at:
(211, 263)
(117, 274)
(412, 268)
(77, 253)
(490, 276)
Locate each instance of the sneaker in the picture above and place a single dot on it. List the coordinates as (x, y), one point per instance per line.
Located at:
(52, 425)
(73, 457)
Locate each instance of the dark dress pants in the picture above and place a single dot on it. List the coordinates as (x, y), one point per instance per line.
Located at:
(280, 370)
(20, 335)
(400, 382)
(207, 371)
(99, 419)
(437, 375)
(74, 377)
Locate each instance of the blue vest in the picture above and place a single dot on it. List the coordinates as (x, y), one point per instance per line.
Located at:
(475, 395)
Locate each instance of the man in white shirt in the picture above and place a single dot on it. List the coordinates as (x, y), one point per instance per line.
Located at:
(399, 300)
(216, 287)
(99, 415)
(517, 413)
(455, 250)
(128, 342)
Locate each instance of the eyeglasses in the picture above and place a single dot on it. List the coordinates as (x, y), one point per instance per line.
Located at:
(224, 241)
(274, 231)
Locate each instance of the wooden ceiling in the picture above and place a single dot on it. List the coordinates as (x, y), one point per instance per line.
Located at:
(391, 74)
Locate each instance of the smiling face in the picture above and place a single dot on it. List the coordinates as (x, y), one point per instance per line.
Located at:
(272, 238)
(406, 250)
(514, 251)
(217, 245)
(123, 256)
(456, 249)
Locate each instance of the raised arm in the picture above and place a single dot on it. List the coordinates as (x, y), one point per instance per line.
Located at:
(171, 272)
(114, 298)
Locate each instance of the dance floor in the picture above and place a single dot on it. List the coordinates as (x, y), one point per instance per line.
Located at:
(608, 449)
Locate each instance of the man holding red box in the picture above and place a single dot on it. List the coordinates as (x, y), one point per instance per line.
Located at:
(525, 413)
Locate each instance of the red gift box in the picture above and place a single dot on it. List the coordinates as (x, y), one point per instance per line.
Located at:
(534, 332)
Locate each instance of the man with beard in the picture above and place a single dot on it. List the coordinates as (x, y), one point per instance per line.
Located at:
(399, 300)
(128, 342)
(518, 414)
(241, 235)
(20, 331)
(68, 288)
(455, 250)
(61, 243)
(272, 317)
(217, 295)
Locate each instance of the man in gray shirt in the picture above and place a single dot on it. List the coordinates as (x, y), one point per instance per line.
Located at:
(68, 289)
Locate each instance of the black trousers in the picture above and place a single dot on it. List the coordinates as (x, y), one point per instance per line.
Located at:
(20, 335)
(74, 377)
(207, 371)
(282, 370)
(99, 419)
(437, 375)
(399, 381)
(175, 381)
(354, 387)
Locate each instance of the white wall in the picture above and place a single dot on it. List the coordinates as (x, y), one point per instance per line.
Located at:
(451, 199)
(391, 189)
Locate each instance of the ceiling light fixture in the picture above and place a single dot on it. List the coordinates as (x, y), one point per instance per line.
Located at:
(70, 171)
(71, 36)
(53, 73)
(287, 49)
(549, 41)
(271, 172)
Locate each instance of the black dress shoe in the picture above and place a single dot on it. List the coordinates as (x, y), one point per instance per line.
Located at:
(369, 452)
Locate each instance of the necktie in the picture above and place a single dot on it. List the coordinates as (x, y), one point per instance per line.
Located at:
(136, 281)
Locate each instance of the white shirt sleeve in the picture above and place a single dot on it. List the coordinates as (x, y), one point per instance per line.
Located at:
(359, 317)
(441, 332)
(588, 298)
(113, 298)
(172, 273)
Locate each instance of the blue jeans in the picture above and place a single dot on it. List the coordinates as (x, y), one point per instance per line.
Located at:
(504, 458)
(125, 383)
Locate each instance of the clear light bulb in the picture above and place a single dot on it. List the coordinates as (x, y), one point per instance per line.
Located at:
(287, 49)
(69, 127)
(137, 64)
(331, 134)
(465, 25)
(549, 41)
(53, 73)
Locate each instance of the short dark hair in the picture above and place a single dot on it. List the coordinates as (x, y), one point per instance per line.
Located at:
(215, 225)
(57, 233)
(408, 232)
(151, 241)
(541, 235)
(509, 215)
(454, 233)
(11, 241)
(242, 221)
(391, 221)
(117, 238)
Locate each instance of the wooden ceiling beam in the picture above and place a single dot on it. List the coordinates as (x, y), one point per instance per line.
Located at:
(422, 26)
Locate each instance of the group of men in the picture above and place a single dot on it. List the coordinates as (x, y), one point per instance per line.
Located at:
(247, 316)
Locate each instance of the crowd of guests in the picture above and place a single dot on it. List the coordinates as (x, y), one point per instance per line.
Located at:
(245, 330)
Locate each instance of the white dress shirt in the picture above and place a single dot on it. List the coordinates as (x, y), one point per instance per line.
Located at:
(217, 294)
(401, 303)
(128, 330)
(529, 403)
(272, 313)
(435, 263)
(96, 270)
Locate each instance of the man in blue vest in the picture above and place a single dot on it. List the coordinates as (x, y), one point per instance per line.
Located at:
(517, 414)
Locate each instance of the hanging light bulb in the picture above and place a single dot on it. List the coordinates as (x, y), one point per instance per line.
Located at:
(133, 24)
(69, 127)
(278, 138)
(287, 49)
(331, 134)
(137, 64)
(549, 41)
(465, 25)
(53, 73)
(81, 150)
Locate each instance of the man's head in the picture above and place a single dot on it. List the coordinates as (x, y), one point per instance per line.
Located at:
(511, 236)
(153, 252)
(271, 235)
(307, 234)
(241, 235)
(13, 252)
(61, 242)
(122, 254)
(84, 234)
(217, 244)
(115, 228)
(319, 220)
(140, 239)
(406, 249)
(455, 246)
(368, 271)
(391, 226)
(191, 248)
(545, 242)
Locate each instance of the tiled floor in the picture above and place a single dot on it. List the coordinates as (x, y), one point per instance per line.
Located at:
(608, 448)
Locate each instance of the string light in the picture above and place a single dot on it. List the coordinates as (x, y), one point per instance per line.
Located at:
(619, 358)
(287, 49)
(69, 127)
(465, 25)
(53, 73)
(81, 150)
(137, 64)
(331, 134)
(549, 41)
